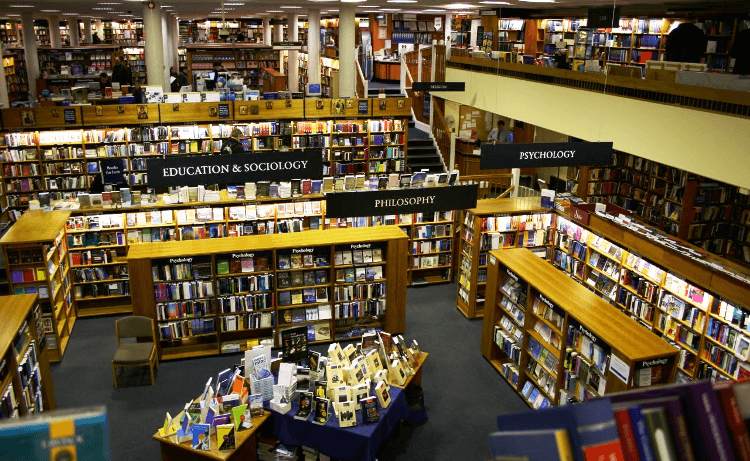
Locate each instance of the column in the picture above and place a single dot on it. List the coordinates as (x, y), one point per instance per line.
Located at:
(4, 100)
(154, 46)
(166, 42)
(54, 32)
(73, 31)
(30, 49)
(278, 36)
(293, 36)
(313, 46)
(267, 31)
(176, 40)
(346, 44)
(87, 34)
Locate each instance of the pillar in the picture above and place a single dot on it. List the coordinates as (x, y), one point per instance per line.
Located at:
(313, 46)
(293, 36)
(54, 32)
(87, 34)
(175, 40)
(73, 31)
(278, 36)
(4, 100)
(166, 42)
(267, 31)
(30, 52)
(154, 46)
(346, 44)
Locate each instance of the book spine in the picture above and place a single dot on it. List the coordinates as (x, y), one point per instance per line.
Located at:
(706, 407)
(640, 430)
(627, 436)
(736, 427)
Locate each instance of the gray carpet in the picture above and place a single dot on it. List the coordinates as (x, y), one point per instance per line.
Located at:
(463, 393)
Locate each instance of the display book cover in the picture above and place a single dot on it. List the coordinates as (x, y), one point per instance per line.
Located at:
(30, 437)
(702, 409)
(539, 445)
(591, 428)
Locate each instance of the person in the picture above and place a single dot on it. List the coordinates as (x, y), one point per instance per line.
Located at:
(240, 37)
(184, 79)
(121, 73)
(741, 52)
(174, 79)
(233, 145)
(104, 81)
(687, 42)
(95, 39)
(499, 135)
(138, 93)
(211, 84)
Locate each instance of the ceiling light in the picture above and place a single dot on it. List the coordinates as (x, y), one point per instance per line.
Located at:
(432, 10)
(234, 4)
(166, 6)
(494, 3)
(14, 15)
(402, 1)
(459, 6)
(538, 1)
(291, 7)
(21, 6)
(274, 11)
(368, 6)
(71, 14)
(103, 8)
(49, 11)
(391, 9)
(109, 3)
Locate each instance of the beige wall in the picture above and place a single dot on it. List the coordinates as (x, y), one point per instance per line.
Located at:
(705, 143)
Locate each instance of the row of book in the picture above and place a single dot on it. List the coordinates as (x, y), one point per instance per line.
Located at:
(248, 321)
(99, 274)
(426, 262)
(184, 309)
(95, 290)
(361, 291)
(304, 296)
(183, 290)
(302, 278)
(186, 328)
(431, 246)
(245, 303)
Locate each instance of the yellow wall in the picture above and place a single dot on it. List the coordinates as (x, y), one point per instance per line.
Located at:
(709, 144)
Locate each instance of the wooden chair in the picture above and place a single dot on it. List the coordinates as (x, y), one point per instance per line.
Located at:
(139, 353)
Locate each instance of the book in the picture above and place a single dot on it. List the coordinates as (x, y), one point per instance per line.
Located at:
(370, 412)
(659, 433)
(305, 406)
(627, 436)
(532, 445)
(202, 437)
(384, 396)
(225, 436)
(736, 425)
(321, 410)
(347, 412)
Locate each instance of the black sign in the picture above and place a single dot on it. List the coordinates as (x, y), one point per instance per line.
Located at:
(384, 202)
(603, 17)
(363, 107)
(223, 110)
(545, 154)
(287, 45)
(112, 171)
(438, 86)
(234, 169)
(70, 116)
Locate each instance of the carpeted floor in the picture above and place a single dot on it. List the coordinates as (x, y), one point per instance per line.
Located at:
(463, 393)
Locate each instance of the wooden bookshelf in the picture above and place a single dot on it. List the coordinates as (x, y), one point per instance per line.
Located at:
(25, 380)
(247, 59)
(36, 254)
(551, 317)
(476, 238)
(323, 246)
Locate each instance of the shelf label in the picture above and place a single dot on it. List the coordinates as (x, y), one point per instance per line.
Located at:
(223, 110)
(400, 201)
(544, 155)
(175, 171)
(493, 260)
(242, 255)
(363, 106)
(619, 368)
(591, 336)
(302, 250)
(512, 275)
(358, 246)
(438, 86)
(180, 260)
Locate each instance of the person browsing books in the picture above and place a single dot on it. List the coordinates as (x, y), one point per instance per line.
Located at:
(233, 145)
(687, 42)
(499, 135)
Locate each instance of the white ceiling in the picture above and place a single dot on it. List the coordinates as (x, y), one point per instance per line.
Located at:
(200, 9)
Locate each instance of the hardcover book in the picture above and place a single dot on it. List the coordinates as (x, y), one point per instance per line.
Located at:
(370, 412)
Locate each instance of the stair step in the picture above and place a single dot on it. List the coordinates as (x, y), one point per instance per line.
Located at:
(420, 142)
(431, 167)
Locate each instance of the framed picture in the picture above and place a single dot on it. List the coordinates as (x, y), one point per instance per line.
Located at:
(319, 104)
(350, 104)
(56, 113)
(175, 107)
(243, 110)
(99, 110)
(400, 103)
(254, 109)
(212, 111)
(269, 105)
(142, 113)
(120, 109)
(381, 104)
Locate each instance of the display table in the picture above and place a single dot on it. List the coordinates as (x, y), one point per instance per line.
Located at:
(352, 443)
(245, 442)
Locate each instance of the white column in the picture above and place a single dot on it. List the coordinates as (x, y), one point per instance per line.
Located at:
(4, 100)
(87, 31)
(447, 28)
(313, 46)
(293, 35)
(30, 48)
(267, 31)
(278, 36)
(73, 29)
(347, 65)
(99, 29)
(154, 46)
(167, 49)
(54, 32)
(175, 40)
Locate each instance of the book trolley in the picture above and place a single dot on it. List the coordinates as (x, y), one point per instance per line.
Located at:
(552, 339)
(208, 296)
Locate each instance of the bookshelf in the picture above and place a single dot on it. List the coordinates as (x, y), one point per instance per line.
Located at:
(123, 33)
(193, 272)
(36, 255)
(248, 60)
(544, 331)
(510, 35)
(26, 386)
(432, 248)
(9, 33)
(135, 56)
(329, 68)
(491, 225)
(12, 80)
(77, 62)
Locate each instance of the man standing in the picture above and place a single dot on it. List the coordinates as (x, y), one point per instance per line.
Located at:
(741, 52)
(174, 80)
(233, 145)
(687, 42)
(121, 73)
(499, 135)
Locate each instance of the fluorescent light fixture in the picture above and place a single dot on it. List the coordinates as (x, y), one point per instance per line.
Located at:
(537, 1)
(109, 3)
(49, 11)
(234, 4)
(321, 1)
(368, 6)
(353, 1)
(290, 7)
(14, 15)
(459, 6)
(432, 10)
(391, 9)
(401, 1)
(494, 3)
(103, 8)
(274, 11)
(22, 6)
(71, 14)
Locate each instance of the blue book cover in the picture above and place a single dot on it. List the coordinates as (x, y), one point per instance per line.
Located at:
(645, 450)
(537, 445)
(201, 437)
(552, 418)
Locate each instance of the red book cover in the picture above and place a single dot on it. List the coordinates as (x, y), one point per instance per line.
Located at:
(627, 436)
(28, 275)
(611, 451)
(736, 427)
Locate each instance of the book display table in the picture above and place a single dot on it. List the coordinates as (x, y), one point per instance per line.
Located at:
(245, 440)
(360, 442)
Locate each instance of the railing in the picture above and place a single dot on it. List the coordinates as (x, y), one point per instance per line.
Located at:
(689, 96)
(439, 63)
(490, 185)
(361, 86)
(417, 97)
(441, 133)
(411, 59)
(425, 62)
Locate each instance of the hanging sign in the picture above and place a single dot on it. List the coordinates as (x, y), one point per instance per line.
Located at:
(112, 171)
(287, 45)
(544, 154)
(401, 201)
(174, 171)
(438, 86)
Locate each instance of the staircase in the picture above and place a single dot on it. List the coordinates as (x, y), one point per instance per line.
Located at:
(394, 92)
(422, 153)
